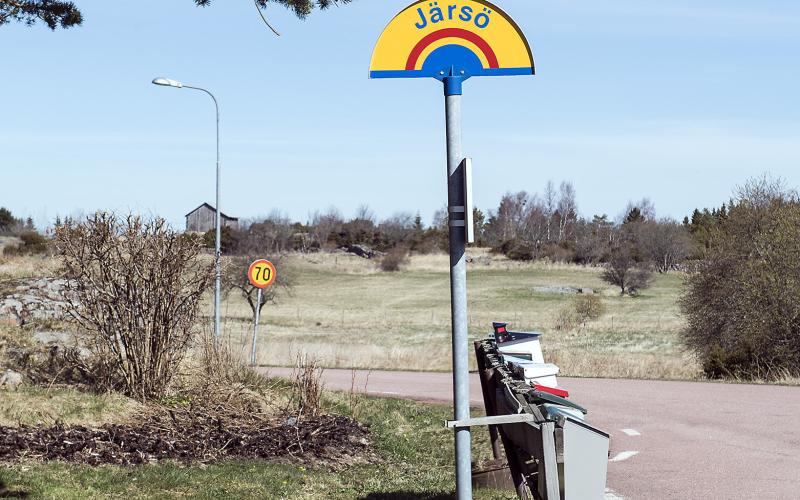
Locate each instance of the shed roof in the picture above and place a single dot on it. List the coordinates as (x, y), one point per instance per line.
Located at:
(210, 207)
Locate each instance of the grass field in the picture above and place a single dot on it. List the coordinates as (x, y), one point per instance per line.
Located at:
(347, 313)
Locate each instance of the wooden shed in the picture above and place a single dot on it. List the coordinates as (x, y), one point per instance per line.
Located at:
(202, 219)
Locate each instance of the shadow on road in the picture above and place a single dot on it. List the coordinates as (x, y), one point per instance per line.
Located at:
(406, 495)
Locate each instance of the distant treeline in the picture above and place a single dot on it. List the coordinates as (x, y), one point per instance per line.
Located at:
(524, 226)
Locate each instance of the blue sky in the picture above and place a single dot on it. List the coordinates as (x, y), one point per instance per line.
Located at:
(679, 102)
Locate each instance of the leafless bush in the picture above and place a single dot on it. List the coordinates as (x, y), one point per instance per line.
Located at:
(566, 319)
(307, 386)
(394, 260)
(135, 285)
(623, 271)
(588, 307)
(355, 397)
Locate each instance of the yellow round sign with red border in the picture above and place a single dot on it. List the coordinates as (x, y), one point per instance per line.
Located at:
(262, 273)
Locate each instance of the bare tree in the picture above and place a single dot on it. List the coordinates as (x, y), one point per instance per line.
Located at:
(235, 280)
(323, 225)
(440, 220)
(623, 271)
(135, 285)
(363, 212)
(665, 243)
(594, 240)
(550, 203)
(535, 224)
(397, 230)
(567, 209)
(270, 235)
(505, 224)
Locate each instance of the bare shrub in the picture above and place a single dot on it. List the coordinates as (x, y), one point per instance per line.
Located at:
(135, 286)
(394, 260)
(588, 307)
(566, 319)
(235, 279)
(623, 271)
(307, 386)
(217, 380)
(355, 396)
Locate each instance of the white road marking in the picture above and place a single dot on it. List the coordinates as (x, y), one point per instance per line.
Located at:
(611, 495)
(621, 457)
(632, 432)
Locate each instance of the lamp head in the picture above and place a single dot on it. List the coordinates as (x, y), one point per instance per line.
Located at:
(166, 82)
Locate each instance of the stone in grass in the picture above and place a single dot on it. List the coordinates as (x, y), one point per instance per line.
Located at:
(11, 380)
(48, 338)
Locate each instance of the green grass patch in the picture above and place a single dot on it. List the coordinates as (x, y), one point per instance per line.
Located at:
(415, 462)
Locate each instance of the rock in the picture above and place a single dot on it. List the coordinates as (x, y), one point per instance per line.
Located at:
(362, 251)
(586, 291)
(557, 290)
(11, 380)
(48, 338)
(36, 299)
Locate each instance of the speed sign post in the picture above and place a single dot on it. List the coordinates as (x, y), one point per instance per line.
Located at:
(262, 275)
(452, 42)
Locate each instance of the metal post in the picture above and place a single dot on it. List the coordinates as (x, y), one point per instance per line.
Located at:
(218, 245)
(218, 226)
(255, 327)
(458, 283)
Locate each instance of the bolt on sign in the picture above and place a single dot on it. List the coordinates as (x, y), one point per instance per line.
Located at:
(429, 39)
(262, 274)
(452, 42)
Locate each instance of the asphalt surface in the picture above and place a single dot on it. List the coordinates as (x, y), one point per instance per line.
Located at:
(670, 440)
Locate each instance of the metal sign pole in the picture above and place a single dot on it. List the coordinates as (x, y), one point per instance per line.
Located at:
(472, 39)
(458, 282)
(255, 327)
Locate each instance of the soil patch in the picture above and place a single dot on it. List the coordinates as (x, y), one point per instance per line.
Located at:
(188, 436)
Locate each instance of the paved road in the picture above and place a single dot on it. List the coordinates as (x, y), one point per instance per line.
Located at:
(692, 440)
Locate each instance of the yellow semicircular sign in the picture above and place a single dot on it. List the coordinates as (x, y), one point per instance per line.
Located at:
(461, 37)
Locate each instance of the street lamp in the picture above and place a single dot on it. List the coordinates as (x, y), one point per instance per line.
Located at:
(166, 82)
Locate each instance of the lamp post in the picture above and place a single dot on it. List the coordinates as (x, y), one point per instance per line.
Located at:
(166, 82)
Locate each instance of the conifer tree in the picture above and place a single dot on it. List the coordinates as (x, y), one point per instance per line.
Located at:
(64, 14)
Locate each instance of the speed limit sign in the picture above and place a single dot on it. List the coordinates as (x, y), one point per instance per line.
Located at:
(262, 274)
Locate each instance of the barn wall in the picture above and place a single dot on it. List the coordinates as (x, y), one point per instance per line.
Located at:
(202, 220)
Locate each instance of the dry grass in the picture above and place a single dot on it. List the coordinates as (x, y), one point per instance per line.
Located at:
(34, 406)
(30, 266)
(347, 314)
